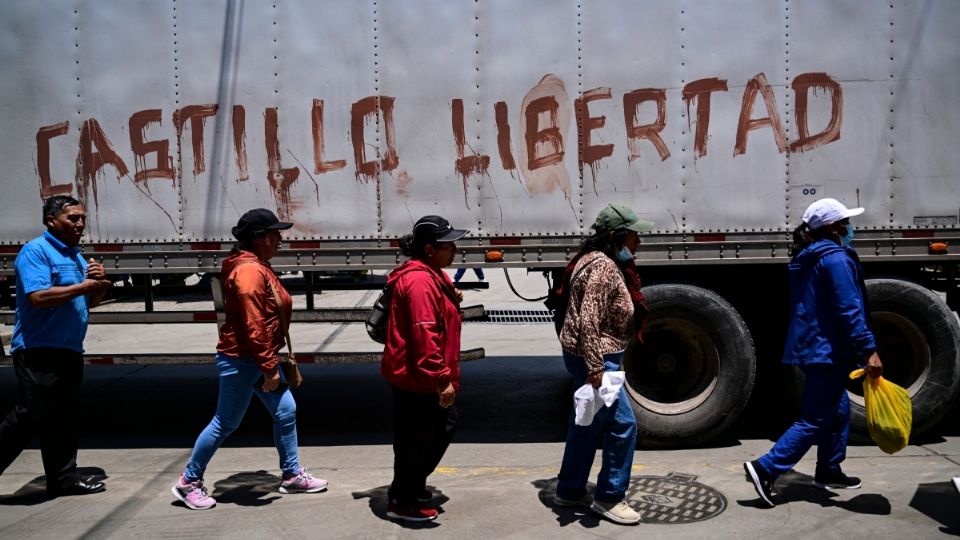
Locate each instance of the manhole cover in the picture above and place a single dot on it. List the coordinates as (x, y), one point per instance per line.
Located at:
(675, 498)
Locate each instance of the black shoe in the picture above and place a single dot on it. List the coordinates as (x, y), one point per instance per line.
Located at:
(425, 496)
(762, 482)
(835, 480)
(78, 487)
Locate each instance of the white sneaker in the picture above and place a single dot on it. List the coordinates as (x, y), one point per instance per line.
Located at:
(618, 512)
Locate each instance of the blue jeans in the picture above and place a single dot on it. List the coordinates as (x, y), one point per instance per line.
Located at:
(824, 421)
(237, 378)
(460, 271)
(615, 426)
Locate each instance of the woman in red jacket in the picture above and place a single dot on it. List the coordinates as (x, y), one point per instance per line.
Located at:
(421, 363)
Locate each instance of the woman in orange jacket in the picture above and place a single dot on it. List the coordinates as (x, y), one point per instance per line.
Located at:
(250, 340)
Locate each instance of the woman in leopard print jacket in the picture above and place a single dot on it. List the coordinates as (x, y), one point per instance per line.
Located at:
(604, 293)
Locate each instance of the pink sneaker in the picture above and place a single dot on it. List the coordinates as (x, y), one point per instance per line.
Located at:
(193, 494)
(303, 482)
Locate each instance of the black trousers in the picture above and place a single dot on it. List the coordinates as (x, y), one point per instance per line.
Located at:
(47, 406)
(422, 431)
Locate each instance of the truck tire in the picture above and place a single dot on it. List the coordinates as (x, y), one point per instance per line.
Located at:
(692, 377)
(918, 340)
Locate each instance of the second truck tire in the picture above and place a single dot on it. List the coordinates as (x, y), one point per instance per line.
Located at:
(917, 340)
(693, 375)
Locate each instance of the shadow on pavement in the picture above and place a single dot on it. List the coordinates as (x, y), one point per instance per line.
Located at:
(502, 400)
(565, 514)
(793, 486)
(939, 501)
(246, 489)
(35, 491)
(378, 499)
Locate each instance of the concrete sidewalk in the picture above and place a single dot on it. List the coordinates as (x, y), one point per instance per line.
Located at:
(486, 491)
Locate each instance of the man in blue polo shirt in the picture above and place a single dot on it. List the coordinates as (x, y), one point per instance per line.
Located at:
(55, 289)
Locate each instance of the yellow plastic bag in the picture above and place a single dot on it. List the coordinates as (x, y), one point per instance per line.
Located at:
(889, 412)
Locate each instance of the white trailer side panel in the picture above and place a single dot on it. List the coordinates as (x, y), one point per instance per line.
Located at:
(926, 115)
(127, 78)
(530, 53)
(39, 87)
(78, 75)
(207, 48)
(411, 51)
(327, 51)
(737, 42)
(851, 45)
(628, 47)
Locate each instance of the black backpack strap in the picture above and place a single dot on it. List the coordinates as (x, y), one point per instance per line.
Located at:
(559, 301)
(580, 271)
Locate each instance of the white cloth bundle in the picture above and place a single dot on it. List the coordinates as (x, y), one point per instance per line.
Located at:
(587, 400)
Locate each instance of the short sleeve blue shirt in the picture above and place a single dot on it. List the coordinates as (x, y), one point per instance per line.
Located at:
(43, 263)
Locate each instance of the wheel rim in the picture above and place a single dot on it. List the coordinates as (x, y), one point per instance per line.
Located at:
(904, 351)
(676, 369)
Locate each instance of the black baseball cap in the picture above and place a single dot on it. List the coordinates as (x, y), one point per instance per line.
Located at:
(433, 229)
(257, 221)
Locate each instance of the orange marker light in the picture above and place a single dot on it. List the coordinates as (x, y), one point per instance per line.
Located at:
(939, 248)
(494, 255)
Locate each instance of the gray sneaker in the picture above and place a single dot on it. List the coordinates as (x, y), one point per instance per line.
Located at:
(583, 502)
(618, 512)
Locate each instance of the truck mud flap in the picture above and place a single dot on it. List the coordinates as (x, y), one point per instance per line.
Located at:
(918, 340)
(693, 375)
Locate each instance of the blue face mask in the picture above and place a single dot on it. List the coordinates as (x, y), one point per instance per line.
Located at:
(624, 255)
(847, 238)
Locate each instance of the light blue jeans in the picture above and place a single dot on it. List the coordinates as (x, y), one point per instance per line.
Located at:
(615, 426)
(237, 378)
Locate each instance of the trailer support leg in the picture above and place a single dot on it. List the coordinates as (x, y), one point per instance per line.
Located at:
(148, 293)
(308, 285)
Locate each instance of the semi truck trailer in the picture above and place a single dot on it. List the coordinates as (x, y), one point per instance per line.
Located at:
(519, 119)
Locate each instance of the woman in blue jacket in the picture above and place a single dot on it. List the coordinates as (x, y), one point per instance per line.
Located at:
(829, 336)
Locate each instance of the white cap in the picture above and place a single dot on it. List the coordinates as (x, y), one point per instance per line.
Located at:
(827, 211)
